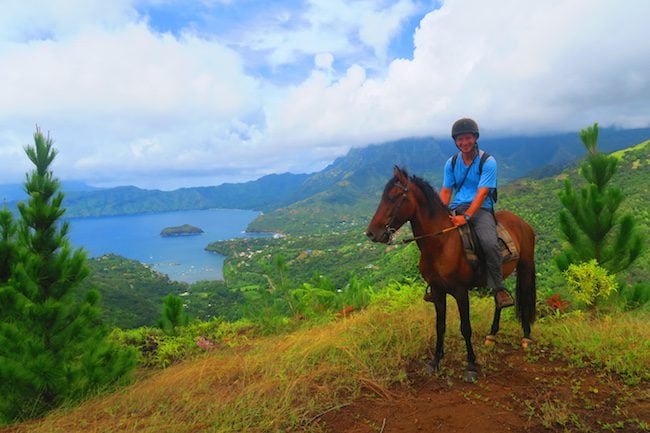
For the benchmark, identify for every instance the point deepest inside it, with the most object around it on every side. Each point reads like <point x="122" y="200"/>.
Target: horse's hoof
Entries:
<point x="471" y="376"/>
<point x="526" y="343"/>
<point x="490" y="340"/>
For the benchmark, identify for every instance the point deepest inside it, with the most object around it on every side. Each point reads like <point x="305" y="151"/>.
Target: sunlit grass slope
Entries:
<point x="275" y="384"/>
<point x="284" y="382"/>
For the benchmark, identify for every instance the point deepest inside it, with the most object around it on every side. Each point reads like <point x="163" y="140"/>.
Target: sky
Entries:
<point x="169" y="93"/>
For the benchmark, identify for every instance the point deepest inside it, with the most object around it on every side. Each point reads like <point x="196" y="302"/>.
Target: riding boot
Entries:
<point x="502" y="297"/>
<point x="428" y="294"/>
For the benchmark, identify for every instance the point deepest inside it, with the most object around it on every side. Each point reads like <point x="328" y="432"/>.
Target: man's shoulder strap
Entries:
<point x="484" y="157"/>
<point x="453" y="161"/>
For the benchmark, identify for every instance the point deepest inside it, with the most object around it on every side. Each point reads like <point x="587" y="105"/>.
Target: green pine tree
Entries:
<point x="590" y="222"/>
<point x="53" y="347"/>
<point x="8" y="254"/>
<point x="7" y="244"/>
<point x="173" y="315"/>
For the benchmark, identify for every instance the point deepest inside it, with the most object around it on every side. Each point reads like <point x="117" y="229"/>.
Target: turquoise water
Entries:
<point x="138" y="237"/>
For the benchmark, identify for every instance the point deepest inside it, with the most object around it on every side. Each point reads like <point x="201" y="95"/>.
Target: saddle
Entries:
<point x="471" y="245"/>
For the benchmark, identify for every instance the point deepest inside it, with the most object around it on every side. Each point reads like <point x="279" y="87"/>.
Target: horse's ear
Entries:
<point x="400" y="175"/>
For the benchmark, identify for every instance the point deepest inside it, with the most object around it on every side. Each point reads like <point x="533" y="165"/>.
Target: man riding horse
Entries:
<point x="443" y="263"/>
<point x="472" y="184"/>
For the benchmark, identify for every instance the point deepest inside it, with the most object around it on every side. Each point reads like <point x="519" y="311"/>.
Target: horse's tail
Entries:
<point x="526" y="293"/>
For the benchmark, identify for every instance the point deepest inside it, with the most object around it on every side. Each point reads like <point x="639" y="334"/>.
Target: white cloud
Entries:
<point x="362" y="29"/>
<point x="131" y="72"/>
<point x="104" y="94"/>
<point x="378" y="27"/>
<point x="516" y="67"/>
<point x="40" y="19"/>
<point x="324" y="61"/>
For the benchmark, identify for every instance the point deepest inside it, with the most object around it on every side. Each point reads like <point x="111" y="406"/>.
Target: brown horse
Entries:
<point x="443" y="264"/>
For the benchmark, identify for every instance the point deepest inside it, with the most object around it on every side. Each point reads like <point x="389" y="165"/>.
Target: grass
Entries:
<point x="285" y="382"/>
<point x="280" y="383"/>
<point x="617" y="344"/>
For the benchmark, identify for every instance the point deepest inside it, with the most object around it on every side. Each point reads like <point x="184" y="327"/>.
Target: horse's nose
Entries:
<point x="370" y="235"/>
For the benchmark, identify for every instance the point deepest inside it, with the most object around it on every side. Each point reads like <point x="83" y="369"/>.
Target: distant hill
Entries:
<point x="267" y="192"/>
<point x="349" y="180"/>
<point x="332" y="243"/>
<point x="16" y="191"/>
<point x="356" y="180"/>
<point x="132" y="292"/>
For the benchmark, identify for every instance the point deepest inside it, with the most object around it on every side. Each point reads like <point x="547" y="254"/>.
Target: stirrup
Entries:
<point x="428" y="296"/>
<point x="503" y="298"/>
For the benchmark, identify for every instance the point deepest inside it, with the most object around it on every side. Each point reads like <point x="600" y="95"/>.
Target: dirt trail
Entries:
<point x="516" y="392"/>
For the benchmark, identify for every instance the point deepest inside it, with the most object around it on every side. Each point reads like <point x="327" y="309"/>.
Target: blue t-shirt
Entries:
<point x="487" y="179"/>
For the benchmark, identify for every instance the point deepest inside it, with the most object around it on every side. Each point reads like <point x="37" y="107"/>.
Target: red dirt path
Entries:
<point x="516" y="392"/>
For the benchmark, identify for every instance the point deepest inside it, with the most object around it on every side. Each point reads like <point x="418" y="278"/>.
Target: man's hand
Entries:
<point x="458" y="220"/>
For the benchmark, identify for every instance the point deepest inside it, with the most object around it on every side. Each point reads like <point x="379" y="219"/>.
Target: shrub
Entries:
<point x="557" y="304"/>
<point x="160" y="350"/>
<point x="173" y="316"/>
<point x="589" y="282"/>
<point x="636" y="296"/>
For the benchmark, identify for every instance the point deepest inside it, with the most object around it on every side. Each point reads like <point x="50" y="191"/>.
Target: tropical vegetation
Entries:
<point x="588" y="218"/>
<point x="52" y="347"/>
<point x="317" y="318"/>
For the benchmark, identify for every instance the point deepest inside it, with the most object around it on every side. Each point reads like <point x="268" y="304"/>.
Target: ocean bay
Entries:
<point x="183" y="258"/>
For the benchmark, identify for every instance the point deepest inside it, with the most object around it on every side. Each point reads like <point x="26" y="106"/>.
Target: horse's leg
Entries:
<point x="462" y="299"/>
<point x="440" y="301"/>
<point x="526" y="296"/>
<point x="492" y="337"/>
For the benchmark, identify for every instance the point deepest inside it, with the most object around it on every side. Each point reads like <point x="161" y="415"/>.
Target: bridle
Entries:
<point x="395" y="212"/>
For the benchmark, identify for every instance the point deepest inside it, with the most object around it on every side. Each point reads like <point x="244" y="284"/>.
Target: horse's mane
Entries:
<point x="430" y="194"/>
<point x="433" y="199"/>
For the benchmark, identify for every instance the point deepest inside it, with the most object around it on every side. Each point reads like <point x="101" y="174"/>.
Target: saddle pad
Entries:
<point x="470" y="242"/>
<point x="508" y="248"/>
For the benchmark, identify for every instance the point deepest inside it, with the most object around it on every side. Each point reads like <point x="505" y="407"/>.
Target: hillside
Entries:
<point x="365" y="373"/>
<point x="327" y="239"/>
<point x="16" y="191"/>
<point x="272" y="190"/>
<point x="358" y="179"/>
<point x="328" y="251"/>
<point x="536" y="200"/>
<point x="130" y="293"/>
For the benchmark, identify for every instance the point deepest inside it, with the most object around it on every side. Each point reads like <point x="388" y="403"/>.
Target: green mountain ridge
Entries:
<point x="349" y="178"/>
<point x="358" y="178"/>
<point x="322" y="245"/>
<point x="272" y="190"/>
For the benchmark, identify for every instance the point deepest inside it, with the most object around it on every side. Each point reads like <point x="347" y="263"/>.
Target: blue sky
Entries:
<point x="170" y="93"/>
<point x="281" y="58"/>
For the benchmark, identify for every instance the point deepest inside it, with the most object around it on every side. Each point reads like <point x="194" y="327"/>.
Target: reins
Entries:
<point x="391" y="230"/>
<point x="428" y="235"/>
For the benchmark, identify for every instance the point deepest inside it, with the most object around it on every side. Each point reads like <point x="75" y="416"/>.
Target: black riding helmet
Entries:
<point x="464" y="126"/>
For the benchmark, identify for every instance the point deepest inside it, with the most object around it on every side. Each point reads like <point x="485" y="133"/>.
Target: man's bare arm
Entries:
<point x="445" y="195"/>
<point x="478" y="201"/>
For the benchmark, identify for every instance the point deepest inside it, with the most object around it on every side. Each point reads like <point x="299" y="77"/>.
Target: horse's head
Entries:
<point x="395" y="208"/>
